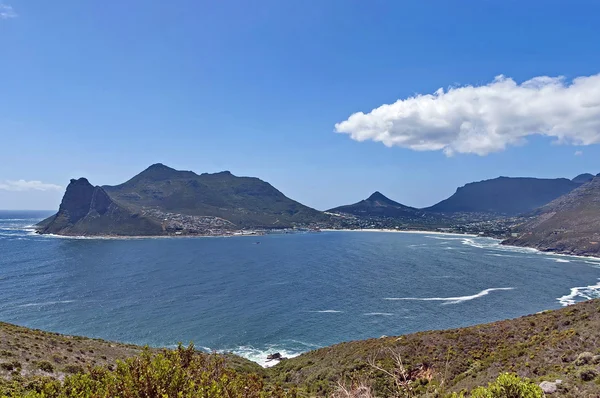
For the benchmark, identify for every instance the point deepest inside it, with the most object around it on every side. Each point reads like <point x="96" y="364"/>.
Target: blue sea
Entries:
<point x="286" y="293"/>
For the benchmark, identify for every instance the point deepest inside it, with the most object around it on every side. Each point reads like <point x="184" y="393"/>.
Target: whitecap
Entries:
<point x="46" y="303"/>
<point x="451" y="300"/>
<point x="579" y="293"/>
<point x="328" y="312"/>
<point x="560" y="260"/>
<point x="378" y="314"/>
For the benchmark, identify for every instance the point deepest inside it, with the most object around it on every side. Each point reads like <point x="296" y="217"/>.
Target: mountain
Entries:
<point x="569" y="224"/>
<point x="89" y="210"/>
<point x="161" y="200"/>
<point x="583" y="178"/>
<point x="505" y="195"/>
<point x="377" y="205"/>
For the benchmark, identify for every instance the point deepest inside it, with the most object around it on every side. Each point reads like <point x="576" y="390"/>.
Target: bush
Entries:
<point x="45" y="366"/>
<point x="10" y="365"/>
<point x="584" y="358"/>
<point x="509" y="385"/>
<point x="73" y="369"/>
<point x="588" y="374"/>
<point x="182" y="373"/>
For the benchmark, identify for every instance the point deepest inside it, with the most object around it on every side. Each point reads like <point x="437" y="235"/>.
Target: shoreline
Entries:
<point x="33" y="232"/>
<point x="402" y="231"/>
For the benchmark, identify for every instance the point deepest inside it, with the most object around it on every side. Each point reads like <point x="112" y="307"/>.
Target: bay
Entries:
<point x="283" y="292"/>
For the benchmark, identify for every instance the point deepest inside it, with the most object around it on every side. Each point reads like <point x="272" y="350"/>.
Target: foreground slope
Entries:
<point x="163" y="201"/>
<point x="507" y="196"/>
<point x="569" y="224"/>
<point x="560" y="344"/>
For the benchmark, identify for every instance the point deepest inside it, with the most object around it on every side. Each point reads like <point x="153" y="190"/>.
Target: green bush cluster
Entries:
<point x="180" y="373"/>
<point x="507" y="385"/>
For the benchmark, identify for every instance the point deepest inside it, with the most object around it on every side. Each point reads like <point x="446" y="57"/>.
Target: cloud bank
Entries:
<point x="487" y="118"/>
<point x="22" y="185"/>
<point x="7" y="12"/>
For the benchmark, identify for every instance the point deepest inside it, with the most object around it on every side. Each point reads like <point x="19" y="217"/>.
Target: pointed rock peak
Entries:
<point x="79" y="181"/>
<point x="583" y="178"/>
<point x="378" y="196"/>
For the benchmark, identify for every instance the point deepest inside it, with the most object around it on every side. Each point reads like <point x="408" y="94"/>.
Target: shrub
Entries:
<point x="73" y="369"/>
<point x="584" y="358"/>
<point x="182" y="373"/>
<point x="10" y="365"/>
<point x="45" y="366"/>
<point x="588" y="374"/>
<point x="508" y="385"/>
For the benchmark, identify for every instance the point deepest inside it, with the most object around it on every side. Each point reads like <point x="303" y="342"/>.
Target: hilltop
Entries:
<point x="378" y="205"/>
<point x="559" y="344"/>
<point x="569" y="224"/>
<point x="164" y="201"/>
<point x="508" y="196"/>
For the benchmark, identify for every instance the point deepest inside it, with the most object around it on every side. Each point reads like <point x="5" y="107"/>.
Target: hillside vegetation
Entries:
<point x="569" y="224"/>
<point x="561" y="344"/>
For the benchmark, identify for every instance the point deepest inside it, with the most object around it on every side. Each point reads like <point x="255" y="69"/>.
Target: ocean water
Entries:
<point x="288" y="293"/>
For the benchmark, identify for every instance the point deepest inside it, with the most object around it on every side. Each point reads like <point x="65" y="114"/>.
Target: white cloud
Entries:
<point x="485" y="119"/>
<point x="7" y="12"/>
<point x="578" y="153"/>
<point x="22" y="185"/>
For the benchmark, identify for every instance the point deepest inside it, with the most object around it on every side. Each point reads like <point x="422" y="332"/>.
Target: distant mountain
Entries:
<point x="583" y="178"/>
<point x="161" y="200"/>
<point x="505" y="195"/>
<point x="569" y="224"/>
<point x="377" y="205"/>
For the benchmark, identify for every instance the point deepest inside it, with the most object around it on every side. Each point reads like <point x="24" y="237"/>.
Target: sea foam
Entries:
<point x="451" y="300"/>
<point x="580" y="293"/>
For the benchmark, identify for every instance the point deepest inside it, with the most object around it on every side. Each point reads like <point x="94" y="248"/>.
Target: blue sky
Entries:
<point x="104" y="89"/>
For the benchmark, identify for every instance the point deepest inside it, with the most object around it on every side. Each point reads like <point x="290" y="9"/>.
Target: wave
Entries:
<point x="328" y="312"/>
<point x="451" y="300"/>
<point x="378" y="313"/>
<point x="259" y="355"/>
<point x="46" y="303"/>
<point x="560" y="260"/>
<point x="580" y="293"/>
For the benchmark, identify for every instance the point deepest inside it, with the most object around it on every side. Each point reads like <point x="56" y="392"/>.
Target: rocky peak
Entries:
<point x="377" y="197"/>
<point x="76" y="201"/>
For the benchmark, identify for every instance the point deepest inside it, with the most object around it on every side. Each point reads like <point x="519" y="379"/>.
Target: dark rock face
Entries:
<point x="76" y="202"/>
<point x="89" y="210"/>
<point x="505" y="195"/>
<point x="569" y="224"/>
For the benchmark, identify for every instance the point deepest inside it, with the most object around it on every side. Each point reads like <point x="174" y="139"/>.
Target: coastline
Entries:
<point x="33" y="232"/>
<point x="402" y="231"/>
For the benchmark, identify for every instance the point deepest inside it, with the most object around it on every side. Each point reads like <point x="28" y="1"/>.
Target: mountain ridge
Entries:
<point x="163" y="201"/>
<point x="509" y="196"/>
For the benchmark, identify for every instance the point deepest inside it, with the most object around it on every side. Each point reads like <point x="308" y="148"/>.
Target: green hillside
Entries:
<point x="561" y="344"/>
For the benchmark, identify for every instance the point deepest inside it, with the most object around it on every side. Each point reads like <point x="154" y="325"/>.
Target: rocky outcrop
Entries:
<point x="89" y="210"/>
